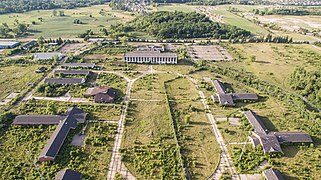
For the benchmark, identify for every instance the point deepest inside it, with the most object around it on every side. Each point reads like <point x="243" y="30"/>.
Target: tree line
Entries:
<point x="180" y="25"/>
<point x="20" y="6"/>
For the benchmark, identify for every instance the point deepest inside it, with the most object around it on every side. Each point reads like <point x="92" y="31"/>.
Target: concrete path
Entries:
<point x="115" y="164"/>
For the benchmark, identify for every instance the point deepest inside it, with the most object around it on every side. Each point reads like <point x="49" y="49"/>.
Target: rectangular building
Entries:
<point x="150" y="57"/>
<point x="8" y="44"/>
<point x="47" y="56"/>
<point x="65" y="81"/>
<point x="72" y="72"/>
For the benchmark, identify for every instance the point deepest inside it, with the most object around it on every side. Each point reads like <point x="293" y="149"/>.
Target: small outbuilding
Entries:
<point x="8" y="44"/>
<point x="67" y="174"/>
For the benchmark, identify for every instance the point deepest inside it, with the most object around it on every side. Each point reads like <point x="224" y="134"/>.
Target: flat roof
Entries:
<point x="47" y="55"/>
<point x="8" y="43"/>
<point x="72" y="72"/>
<point x="64" y="80"/>
<point x="78" y="65"/>
<point x="256" y="122"/>
<point x="37" y="119"/>
<point x="150" y="54"/>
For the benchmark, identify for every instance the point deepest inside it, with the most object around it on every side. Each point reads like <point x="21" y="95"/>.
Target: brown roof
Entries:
<point x="96" y="90"/>
<point x="37" y="119"/>
<point x="272" y="174"/>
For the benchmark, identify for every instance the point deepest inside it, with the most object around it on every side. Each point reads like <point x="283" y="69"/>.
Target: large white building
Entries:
<point x="150" y="55"/>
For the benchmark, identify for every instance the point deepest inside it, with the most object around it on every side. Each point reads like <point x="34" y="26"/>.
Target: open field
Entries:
<point x="197" y="139"/>
<point x="63" y="26"/>
<point x="92" y="160"/>
<point x="274" y="62"/>
<point x="15" y="79"/>
<point x="212" y="53"/>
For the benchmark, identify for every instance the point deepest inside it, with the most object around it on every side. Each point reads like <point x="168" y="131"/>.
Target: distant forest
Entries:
<point x="180" y="25"/>
<point x="19" y="6"/>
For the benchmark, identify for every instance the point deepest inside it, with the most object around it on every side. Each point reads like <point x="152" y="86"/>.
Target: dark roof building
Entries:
<point x="72" y="72"/>
<point x="102" y="94"/>
<point x="65" y="81"/>
<point x="68" y="174"/>
<point x="29" y="44"/>
<point x="37" y="119"/>
<point x="51" y="149"/>
<point x="272" y="174"/>
<point x="41" y="69"/>
<point x="228" y="99"/>
<point x="271" y="141"/>
<point x="78" y="65"/>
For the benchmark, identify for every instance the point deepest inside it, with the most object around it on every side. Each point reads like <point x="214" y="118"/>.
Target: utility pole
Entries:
<point x="34" y="164"/>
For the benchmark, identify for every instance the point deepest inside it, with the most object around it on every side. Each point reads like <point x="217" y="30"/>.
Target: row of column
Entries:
<point x="153" y="60"/>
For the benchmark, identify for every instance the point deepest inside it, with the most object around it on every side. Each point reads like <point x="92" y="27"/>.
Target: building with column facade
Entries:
<point x="150" y="55"/>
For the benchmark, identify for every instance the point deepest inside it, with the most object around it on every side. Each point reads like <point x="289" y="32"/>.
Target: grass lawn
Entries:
<point x="55" y="26"/>
<point x="196" y="136"/>
<point x="150" y="87"/>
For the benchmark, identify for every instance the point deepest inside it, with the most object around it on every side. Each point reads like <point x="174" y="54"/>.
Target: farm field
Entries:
<point x="199" y="146"/>
<point x="63" y="26"/>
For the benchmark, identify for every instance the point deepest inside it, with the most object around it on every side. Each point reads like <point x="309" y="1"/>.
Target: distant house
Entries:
<point x="102" y="94"/>
<point x="272" y="174"/>
<point x="47" y="56"/>
<point x="65" y="123"/>
<point x="72" y="72"/>
<point x="65" y="81"/>
<point x="271" y="141"/>
<point x="41" y="69"/>
<point x="68" y="174"/>
<point x="78" y="65"/>
<point x="8" y="44"/>
<point x="29" y="45"/>
<point x="228" y="99"/>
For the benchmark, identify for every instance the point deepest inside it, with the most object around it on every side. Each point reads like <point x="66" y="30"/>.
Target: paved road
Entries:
<point x="115" y="164"/>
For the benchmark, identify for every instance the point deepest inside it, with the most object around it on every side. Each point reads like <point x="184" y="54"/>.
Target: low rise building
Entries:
<point x="73" y="116"/>
<point x="102" y="94"/>
<point x="272" y="174"/>
<point x="228" y="99"/>
<point x="48" y="56"/>
<point x="151" y="55"/>
<point x="29" y="45"/>
<point x="271" y="141"/>
<point x="65" y="81"/>
<point x="72" y="72"/>
<point x="67" y="174"/>
<point x="8" y="44"/>
<point x="79" y="65"/>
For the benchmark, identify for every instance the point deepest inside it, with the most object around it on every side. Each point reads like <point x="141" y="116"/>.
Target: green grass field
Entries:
<point x="55" y="26"/>
<point x="196" y="135"/>
<point x="14" y="79"/>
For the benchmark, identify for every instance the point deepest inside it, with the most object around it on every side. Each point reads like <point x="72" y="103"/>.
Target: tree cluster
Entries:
<point x="18" y="30"/>
<point x="180" y="25"/>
